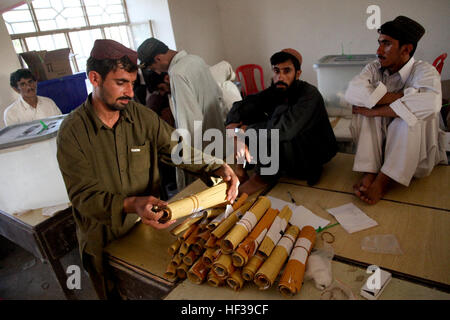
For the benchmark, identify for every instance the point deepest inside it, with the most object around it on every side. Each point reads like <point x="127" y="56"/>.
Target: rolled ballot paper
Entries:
<point x="189" y="258"/>
<point x="205" y="199"/>
<point x="210" y="255"/>
<point x="182" y="270"/>
<point x="214" y="280"/>
<point x="235" y="280"/>
<point x="186" y="245"/>
<point x="171" y="272"/>
<point x="223" y="266"/>
<point x="248" y="247"/>
<point x="291" y="281"/>
<point x="231" y="220"/>
<point x="177" y="260"/>
<point x="196" y="217"/>
<point x="230" y="209"/>
<point x="174" y="247"/>
<point x="275" y="232"/>
<point x="245" y="225"/>
<point x="197" y="273"/>
<point x="255" y="262"/>
<point x="268" y="272"/>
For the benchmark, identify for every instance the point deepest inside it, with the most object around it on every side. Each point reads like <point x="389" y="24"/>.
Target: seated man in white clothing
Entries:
<point x="29" y="106"/>
<point x="396" y="103"/>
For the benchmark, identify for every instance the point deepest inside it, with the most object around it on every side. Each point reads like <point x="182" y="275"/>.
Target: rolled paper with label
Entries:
<point x="214" y="280"/>
<point x="223" y="266"/>
<point x="228" y="210"/>
<point x="245" y="225"/>
<point x="292" y="279"/>
<point x="174" y="247"/>
<point x="190" y="258"/>
<point x="275" y="232"/>
<point x="205" y="199"/>
<point x="197" y="273"/>
<point x="235" y="280"/>
<point x="270" y="269"/>
<point x="182" y="270"/>
<point x="248" y="247"/>
<point x="255" y="262"/>
<point x="176" y="261"/>
<point x="231" y="220"/>
<point x="171" y="272"/>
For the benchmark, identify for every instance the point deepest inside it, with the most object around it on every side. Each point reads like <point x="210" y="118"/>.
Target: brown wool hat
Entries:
<point x="294" y="53"/>
<point x="110" y="49"/>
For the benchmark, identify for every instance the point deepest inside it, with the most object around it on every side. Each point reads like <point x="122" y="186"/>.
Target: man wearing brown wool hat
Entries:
<point x="108" y="153"/>
<point x="396" y="103"/>
<point x="296" y="109"/>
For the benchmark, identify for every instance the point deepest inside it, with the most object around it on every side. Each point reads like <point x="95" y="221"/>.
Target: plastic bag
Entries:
<point x="338" y="291"/>
<point x="318" y="267"/>
<point x="381" y="243"/>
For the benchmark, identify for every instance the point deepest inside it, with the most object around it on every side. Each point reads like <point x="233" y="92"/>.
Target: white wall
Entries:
<point x="10" y="63"/>
<point x="254" y="29"/>
<point x="197" y="28"/>
<point x="140" y="11"/>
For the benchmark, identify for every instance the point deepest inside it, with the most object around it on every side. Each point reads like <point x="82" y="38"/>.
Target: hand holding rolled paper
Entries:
<point x="148" y="208"/>
<point x="205" y="199"/>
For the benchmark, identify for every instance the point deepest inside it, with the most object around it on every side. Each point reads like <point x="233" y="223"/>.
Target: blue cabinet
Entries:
<point x="68" y="92"/>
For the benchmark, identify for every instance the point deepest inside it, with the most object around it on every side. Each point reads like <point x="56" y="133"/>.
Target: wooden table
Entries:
<point x="417" y="216"/>
<point x="353" y="277"/>
<point x="47" y="238"/>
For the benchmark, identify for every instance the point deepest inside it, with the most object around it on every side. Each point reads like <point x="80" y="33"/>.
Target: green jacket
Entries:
<point x="101" y="166"/>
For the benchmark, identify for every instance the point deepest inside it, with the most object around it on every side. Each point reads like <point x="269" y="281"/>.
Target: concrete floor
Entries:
<point x="24" y="277"/>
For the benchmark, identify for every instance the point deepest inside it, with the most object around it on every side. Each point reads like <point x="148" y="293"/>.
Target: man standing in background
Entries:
<point x="194" y="92"/>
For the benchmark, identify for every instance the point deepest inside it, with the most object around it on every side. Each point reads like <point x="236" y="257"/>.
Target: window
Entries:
<point x="75" y="24"/>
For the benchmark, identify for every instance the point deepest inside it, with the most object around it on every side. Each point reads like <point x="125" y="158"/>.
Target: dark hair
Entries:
<point x="153" y="79"/>
<point x="401" y="41"/>
<point x="281" y="57"/>
<point x="20" y="74"/>
<point x="105" y="66"/>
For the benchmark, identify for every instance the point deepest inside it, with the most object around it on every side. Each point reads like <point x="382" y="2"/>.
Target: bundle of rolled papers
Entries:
<point x="250" y="242"/>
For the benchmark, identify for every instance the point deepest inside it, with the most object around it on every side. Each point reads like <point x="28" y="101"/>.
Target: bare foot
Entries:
<point x="377" y="189"/>
<point x="363" y="185"/>
<point x="252" y="185"/>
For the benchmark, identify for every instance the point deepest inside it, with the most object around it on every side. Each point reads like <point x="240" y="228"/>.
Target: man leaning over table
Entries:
<point x="108" y="152"/>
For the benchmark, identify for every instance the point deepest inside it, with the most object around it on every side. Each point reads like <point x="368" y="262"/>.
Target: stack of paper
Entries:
<point x="351" y="218"/>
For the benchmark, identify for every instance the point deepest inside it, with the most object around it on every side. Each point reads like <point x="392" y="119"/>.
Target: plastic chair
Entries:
<point x="248" y="77"/>
<point x="439" y="62"/>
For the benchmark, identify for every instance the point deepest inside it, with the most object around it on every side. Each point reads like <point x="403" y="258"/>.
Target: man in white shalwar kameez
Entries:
<point x="195" y="95"/>
<point x="396" y="103"/>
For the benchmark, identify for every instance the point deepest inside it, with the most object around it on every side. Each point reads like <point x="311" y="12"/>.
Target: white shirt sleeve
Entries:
<point x="187" y="109"/>
<point x="364" y="89"/>
<point x="422" y="97"/>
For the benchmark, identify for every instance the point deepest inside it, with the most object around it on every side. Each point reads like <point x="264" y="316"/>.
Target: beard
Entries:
<point x="115" y="105"/>
<point x="281" y="89"/>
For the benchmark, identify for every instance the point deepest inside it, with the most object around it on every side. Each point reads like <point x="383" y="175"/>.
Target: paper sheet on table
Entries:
<point x="279" y="204"/>
<point x="301" y="216"/>
<point x="351" y="218"/>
